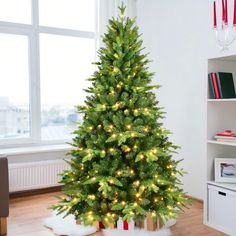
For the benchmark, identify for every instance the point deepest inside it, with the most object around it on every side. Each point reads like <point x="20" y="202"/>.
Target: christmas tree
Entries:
<point x="122" y="162"/>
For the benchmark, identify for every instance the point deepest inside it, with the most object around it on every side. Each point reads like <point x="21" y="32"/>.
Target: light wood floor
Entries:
<point x="27" y="213"/>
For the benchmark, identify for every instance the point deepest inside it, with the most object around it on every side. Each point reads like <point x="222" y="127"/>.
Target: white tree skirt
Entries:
<point x="68" y="226"/>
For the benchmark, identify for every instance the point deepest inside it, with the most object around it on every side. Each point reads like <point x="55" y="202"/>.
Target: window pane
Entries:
<point x="65" y="65"/>
<point x="18" y="11"/>
<point x="72" y="14"/>
<point x="14" y="87"/>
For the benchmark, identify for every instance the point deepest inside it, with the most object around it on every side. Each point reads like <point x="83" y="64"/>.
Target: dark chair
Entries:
<point x="4" y="195"/>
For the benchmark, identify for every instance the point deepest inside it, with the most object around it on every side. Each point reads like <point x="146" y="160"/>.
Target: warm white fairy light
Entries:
<point x="128" y="126"/>
<point x="145" y="129"/>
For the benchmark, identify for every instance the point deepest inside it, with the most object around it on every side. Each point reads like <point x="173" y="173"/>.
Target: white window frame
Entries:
<point x="32" y="31"/>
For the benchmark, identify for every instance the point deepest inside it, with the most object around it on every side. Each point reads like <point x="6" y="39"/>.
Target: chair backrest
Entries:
<point x="4" y="188"/>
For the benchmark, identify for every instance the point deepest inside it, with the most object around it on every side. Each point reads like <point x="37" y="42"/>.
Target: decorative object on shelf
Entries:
<point x="225" y="30"/>
<point x="226" y="136"/>
<point x="221" y="85"/>
<point x="225" y="170"/>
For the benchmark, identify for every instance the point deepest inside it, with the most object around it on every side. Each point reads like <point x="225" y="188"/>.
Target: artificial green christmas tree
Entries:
<point x="122" y="161"/>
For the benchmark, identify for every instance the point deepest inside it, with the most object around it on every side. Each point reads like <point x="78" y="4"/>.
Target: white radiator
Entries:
<point x="35" y="175"/>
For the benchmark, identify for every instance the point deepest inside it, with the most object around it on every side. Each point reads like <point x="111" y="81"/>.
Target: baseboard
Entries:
<point x="194" y="199"/>
<point x="35" y="192"/>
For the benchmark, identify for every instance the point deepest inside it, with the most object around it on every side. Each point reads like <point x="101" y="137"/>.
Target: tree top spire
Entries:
<point x="122" y="8"/>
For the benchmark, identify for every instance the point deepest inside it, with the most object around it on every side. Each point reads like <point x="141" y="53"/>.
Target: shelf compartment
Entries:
<point x="229" y="186"/>
<point x="222" y="143"/>
<point x="222" y="100"/>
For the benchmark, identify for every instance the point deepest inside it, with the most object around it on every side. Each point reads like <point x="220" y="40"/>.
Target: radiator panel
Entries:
<point x="35" y="175"/>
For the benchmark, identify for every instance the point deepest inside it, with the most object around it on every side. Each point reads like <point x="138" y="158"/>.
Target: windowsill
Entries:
<point x="35" y="149"/>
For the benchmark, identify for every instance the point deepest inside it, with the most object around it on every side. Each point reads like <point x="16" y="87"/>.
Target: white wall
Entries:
<point x="179" y="36"/>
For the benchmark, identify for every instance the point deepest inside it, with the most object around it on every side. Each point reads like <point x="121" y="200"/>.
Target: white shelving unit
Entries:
<point x="221" y="115"/>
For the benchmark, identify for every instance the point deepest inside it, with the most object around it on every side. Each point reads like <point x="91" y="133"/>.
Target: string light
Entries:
<point x="111" y="181"/>
<point x="131" y="172"/>
<point x="137" y="195"/>
<point x="128" y="149"/>
<point x="112" y="92"/>
<point x="92" y="197"/>
<point x="111" y="149"/>
<point x="119" y="173"/>
<point x="123" y="203"/>
<point x="115" y="70"/>
<point x="114" y="135"/>
<point x="126" y="111"/>
<point x="75" y="200"/>
<point x="132" y="134"/>
<point x="128" y="126"/>
<point x="154" y="150"/>
<point x="116" y="106"/>
<point x="141" y="156"/>
<point x="145" y="129"/>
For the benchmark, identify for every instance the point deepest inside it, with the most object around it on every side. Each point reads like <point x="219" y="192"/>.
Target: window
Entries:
<point x="44" y="64"/>
<point x="14" y="89"/>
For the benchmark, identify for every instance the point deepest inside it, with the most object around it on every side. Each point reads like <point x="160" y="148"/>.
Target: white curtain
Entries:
<point x="109" y="8"/>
